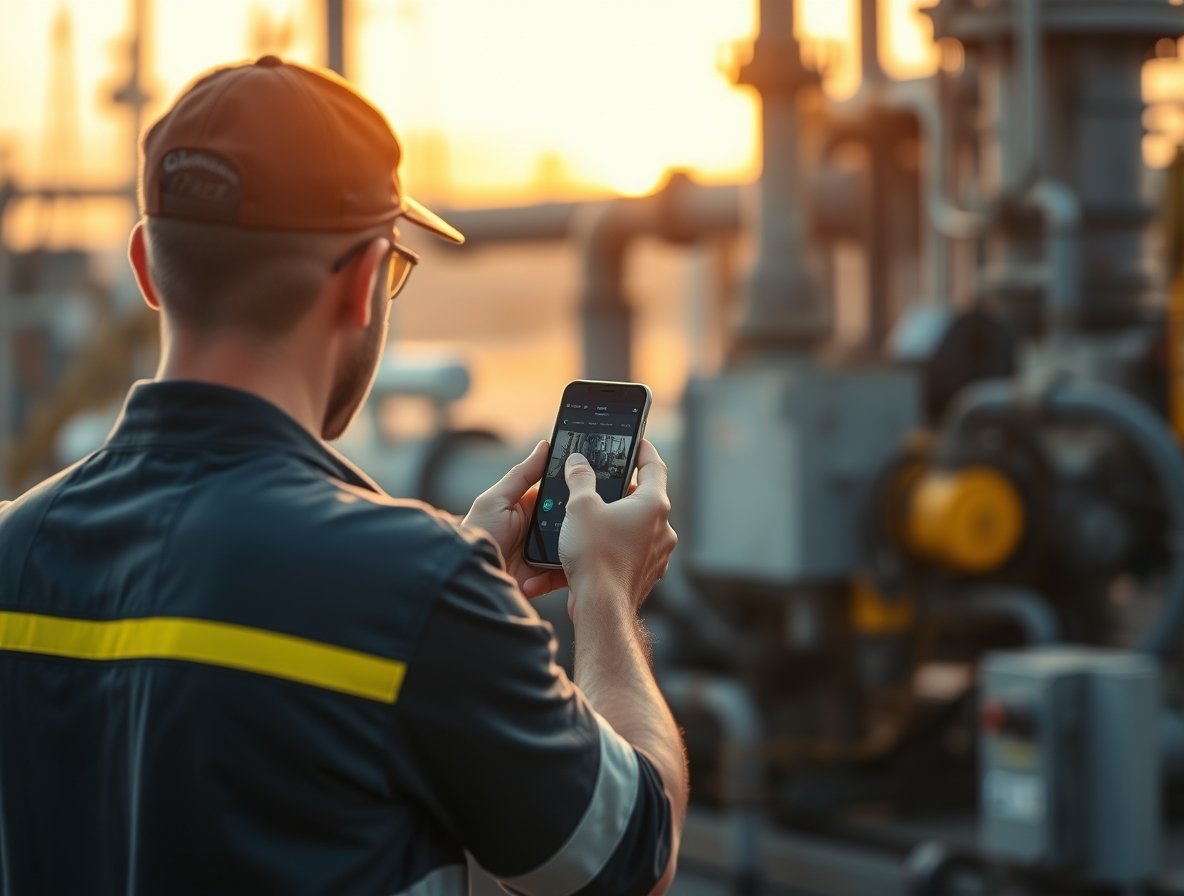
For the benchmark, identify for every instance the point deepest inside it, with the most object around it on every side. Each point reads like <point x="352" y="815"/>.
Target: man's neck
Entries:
<point x="267" y="372"/>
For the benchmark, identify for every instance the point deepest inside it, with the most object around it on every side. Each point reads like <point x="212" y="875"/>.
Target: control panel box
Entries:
<point x="780" y="461"/>
<point x="1069" y="751"/>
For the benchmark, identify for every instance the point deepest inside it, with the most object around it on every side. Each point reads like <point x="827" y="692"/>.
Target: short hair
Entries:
<point x="213" y="278"/>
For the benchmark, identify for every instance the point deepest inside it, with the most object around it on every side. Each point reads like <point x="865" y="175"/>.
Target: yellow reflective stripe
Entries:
<point x="202" y="641"/>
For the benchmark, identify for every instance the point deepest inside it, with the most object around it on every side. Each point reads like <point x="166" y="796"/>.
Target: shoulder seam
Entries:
<point x="49" y="505"/>
<point x="468" y="550"/>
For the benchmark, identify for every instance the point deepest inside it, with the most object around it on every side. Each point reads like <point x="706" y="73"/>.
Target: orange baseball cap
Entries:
<point x="275" y="146"/>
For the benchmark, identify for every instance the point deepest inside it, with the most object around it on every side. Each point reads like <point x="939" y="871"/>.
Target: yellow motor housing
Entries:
<point x="969" y="520"/>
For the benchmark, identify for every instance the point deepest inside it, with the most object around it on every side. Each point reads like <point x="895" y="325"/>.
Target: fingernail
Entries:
<point x="574" y="458"/>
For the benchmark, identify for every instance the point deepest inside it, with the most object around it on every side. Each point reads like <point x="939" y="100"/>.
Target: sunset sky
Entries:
<point x="504" y="102"/>
<point x="496" y="102"/>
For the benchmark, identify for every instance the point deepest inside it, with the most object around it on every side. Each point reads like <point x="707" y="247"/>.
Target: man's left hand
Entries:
<point x="504" y="512"/>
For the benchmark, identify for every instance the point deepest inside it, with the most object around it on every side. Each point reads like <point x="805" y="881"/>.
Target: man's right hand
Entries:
<point x="613" y="554"/>
<point x="626" y="544"/>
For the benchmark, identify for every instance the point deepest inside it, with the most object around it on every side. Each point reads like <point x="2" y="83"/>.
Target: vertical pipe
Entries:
<point x="7" y="385"/>
<point x="881" y="176"/>
<point x="938" y="145"/>
<point x="1031" y="89"/>
<point x="871" y="72"/>
<point x="606" y="320"/>
<point x="1062" y="214"/>
<point x="741" y="764"/>
<point x="935" y="245"/>
<point x="1171" y="736"/>
<point x="783" y="306"/>
<point x="137" y="97"/>
<point x="608" y="336"/>
<point x="775" y="17"/>
<point x="335" y="35"/>
<point x="881" y="230"/>
<point x="136" y="54"/>
<point x="781" y="239"/>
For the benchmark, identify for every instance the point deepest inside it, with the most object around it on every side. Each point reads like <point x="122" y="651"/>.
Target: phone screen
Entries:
<point x="603" y="422"/>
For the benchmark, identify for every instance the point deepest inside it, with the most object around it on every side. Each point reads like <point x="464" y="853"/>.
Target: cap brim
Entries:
<point x="429" y="220"/>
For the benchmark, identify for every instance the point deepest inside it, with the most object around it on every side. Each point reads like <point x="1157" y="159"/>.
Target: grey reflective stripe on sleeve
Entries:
<point x="595" y="839"/>
<point x="451" y="880"/>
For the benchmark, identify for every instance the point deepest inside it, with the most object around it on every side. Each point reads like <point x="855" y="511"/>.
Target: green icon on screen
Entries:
<point x="548" y="503"/>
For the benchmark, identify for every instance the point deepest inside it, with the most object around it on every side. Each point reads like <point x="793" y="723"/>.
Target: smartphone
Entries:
<point x="605" y="423"/>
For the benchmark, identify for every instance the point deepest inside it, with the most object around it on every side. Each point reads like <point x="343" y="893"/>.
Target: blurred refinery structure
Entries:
<point x="926" y="629"/>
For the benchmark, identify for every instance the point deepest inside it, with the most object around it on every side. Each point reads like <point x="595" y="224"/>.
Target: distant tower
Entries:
<point x="60" y="156"/>
<point x="132" y="92"/>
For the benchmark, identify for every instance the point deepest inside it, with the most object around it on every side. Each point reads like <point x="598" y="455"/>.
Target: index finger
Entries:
<point x="651" y="469"/>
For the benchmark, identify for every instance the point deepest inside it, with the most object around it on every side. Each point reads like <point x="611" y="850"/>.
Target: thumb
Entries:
<point x="581" y="478"/>
<point x="517" y="482"/>
<point x="509" y="490"/>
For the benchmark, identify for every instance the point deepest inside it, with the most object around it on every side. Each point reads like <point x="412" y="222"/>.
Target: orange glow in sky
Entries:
<point x="496" y="102"/>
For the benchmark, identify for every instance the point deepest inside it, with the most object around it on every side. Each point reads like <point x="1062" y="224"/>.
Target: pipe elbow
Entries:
<point x="605" y="231"/>
<point x="1059" y="205"/>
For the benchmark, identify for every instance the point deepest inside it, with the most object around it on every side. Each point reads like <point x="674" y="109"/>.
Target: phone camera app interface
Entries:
<point x="602" y="433"/>
<point x="607" y="453"/>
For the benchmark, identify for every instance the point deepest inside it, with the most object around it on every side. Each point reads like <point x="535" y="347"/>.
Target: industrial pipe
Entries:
<point x="1061" y="210"/>
<point x="335" y="36"/>
<point x="741" y="771"/>
<point x="871" y="72"/>
<point x="947" y="221"/>
<point x="1027" y="609"/>
<point x="1097" y="402"/>
<point x="680" y="212"/>
<point x="993" y="400"/>
<point x="783" y="307"/>
<point x="545" y="221"/>
<point x="1030" y="76"/>
<point x="1171" y="736"/>
<point x="50" y="194"/>
<point x="678" y="596"/>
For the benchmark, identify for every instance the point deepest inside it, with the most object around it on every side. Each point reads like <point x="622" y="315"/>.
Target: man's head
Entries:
<point x="270" y="195"/>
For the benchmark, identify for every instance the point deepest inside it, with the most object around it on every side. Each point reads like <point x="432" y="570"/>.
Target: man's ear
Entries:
<point x="137" y="254"/>
<point x="358" y="281"/>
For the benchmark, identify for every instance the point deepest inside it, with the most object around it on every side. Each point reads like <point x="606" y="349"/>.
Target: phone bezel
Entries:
<point x="592" y="386"/>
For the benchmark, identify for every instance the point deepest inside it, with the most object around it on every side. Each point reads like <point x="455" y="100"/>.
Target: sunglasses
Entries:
<point x="402" y="260"/>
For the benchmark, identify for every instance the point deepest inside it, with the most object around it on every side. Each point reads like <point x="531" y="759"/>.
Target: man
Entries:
<point x="228" y="662"/>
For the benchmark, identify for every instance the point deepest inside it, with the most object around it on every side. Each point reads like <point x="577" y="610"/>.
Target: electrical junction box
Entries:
<point x="1070" y="759"/>
<point x="780" y="459"/>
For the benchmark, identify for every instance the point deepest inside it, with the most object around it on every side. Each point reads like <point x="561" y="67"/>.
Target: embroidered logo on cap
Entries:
<point x="200" y="184"/>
